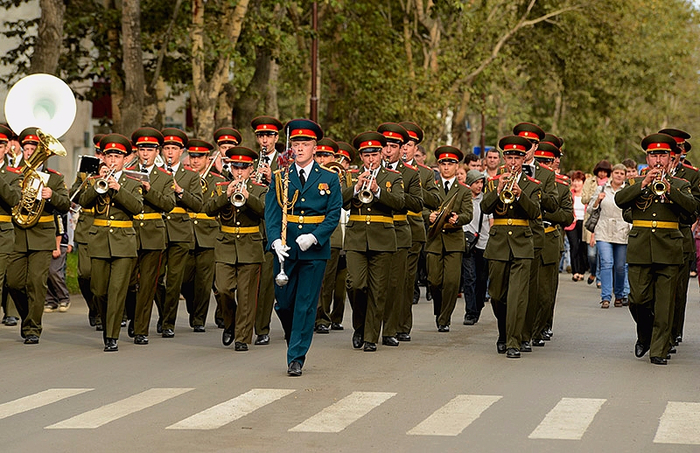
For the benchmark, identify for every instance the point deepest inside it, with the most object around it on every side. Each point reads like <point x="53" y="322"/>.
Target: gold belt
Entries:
<point x="88" y="211"/>
<point x="305" y="218"/>
<point x="149" y="216"/>
<point x="655" y="224"/>
<point x="549" y="229"/>
<point x="240" y="230"/>
<point x="113" y="223"/>
<point x="46" y="219"/>
<point x="5" y="218"/>
<point x="200" y="215"/>
<point x="178" y="210"/>
<point x="414" y="214"/>
<point x="371" y="218"/>
<point x="400" y="217"/>
<point x="509" y="222"/>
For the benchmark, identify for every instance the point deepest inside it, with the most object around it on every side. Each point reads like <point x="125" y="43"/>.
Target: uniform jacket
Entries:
<point x="206" y="228"/>
<point x="511" y="241"/>
<point x="337" y="236"/>
<point x="362" y="236"/>
<point x="548" y="201"/>
<point x="655" y="245"/>
<point x="238" y="248"/>
<point x="690" y="174"/>
<point x="451" y="239"/>
<point x="555" y="221"/>
<point x="430" y="193"/>
<point x="160" y="199"/>
<point x="320" y="196"/>
<point x="42" y="236"/>
<point x="119" y="206"/>
<point x="80" y="235"/>
<point x="413" y="202"/>
<point x="9" y="197"/>
<point x="178" y="224"/>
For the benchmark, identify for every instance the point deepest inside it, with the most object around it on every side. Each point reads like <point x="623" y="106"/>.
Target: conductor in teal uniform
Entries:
<point x="316" y="197"/>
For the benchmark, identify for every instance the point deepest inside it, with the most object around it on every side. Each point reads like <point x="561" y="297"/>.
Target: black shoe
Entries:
<point x="416" y="298"/>
<point x="539" y="343"/>
<point x="168" y="333"/>
<point x="98" y="327"/>
<point x="469" y="320"/>
<point x="390" y="341"/>
<point x="550" y="333"/>
<point x="545" y="335"/>
<point x="525" y="346"/>
<point x="672" y="350"/>
<point x="159" y="326"/>
<point x="31" y="339"/>
<point x="123" y="323"/>
<point x="11" y="321"/>
<point x="357" y="340"/>
<point x="403" y="336"/>
<point x="668" y="356"/>
<point x="679" y="339"/>
<point x="369" y="347"/>
<point x="111" y="345"/>
<point x="428" y="294"/>
<point x="130" y="330"/>
<point x="337" y="326"/>
<point x="219" y="322"/>
<point x="658" y="361"/>
<point x="513" y="353"/>
<point x="240" y="346"/>
<point x="263" y="340"/>
<point x="501" y="347"/>
<point x="92" y="320"/>
<point x="322" y="329"/>
<point x="199" y="329"/>
<point x="227" y="337"/>
<point x="640" y="349"/>
<point x="294" y="369"/>
<point x="141" y="339"/>
<point x="442" y="328"/>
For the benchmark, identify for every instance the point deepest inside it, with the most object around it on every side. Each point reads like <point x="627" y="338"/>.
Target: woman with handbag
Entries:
<point x="574" y="232"/>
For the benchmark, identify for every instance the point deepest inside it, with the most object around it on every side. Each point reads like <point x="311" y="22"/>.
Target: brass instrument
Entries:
<point x="138" y="175"/>
<point x="258" y="175"/>
<point x="444" y="214"/>
<point x="237" y="197"/>
<point x="203" y="177"/>
<point x="102" y="184"/>
<point x="365" y="195"/>
<point x="507" y="196"/>
<point x="90" y="165"/>
<point x="659" y="186"/>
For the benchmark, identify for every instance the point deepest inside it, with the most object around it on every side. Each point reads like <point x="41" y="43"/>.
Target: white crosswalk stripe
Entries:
<point x="233" y="409"/>
<point x="342" y="414"/>
<point x="37" y="400"/>
<point x="679" y="424"/>
<point x="114" y="411"/>
<point x="452" y="418"/>
<point x="569" y="419"/>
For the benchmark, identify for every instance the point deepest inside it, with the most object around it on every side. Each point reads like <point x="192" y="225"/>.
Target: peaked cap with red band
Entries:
<point x="370" y="141"/>
<point x="115" y="143"/>
<point x="303" y="129"/>
<point x="658" y="144"/>
<point x="346" y="150"/>
<point x="529" y="131"/>
<point x="227" y="135"/>
<point x="96" y="139"/>
<point x="241" y="154"/>
<point x="29" y="135"/>
<point x="547" y="150"/>
<point x="266" y="124"/>
<point x="199" y="147"/>
<point x="394" y="133"/>
<point x="174" y="136"/>
<point x="514" y="144"/>
<point x="680" y="137"/>
<point x="447" y="153"/>
<point x="326" y="145"/>
<point x="553" y="139"/>
<point x="147" y="136"/>
<point x="5" y="133"/>
<point x="415" y="133"/>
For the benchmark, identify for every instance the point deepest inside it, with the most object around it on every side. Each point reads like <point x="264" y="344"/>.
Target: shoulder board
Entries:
<point x="355" y="171"/>
<point x="463" y="185"/>
<point x="563" y="183"/>
<point x="411" y="166"/>
<point x="424" y="166"/>
<point x="681" y="179"/>
<point x="14" y="170"/>
<point x="216" y="175"/>
<point x="546" y="167"/>
<point x="690" y="166"/>
<point x="393" y="171"/>
<point x="561" y="177"/>
<point x="133" y="167"/>
<point x="325" y="168"/>
<point x="255" y="183"/>
<point x="187" y="167"/>
<point x="531" y="179"/>
<point x="164" y="170"/>
<point x="495" y="177"/>
<point x="222" y="183"/>
<point x="644" y="171"/>
<point x="131" y="177"/>
<point x="51" y="170"/>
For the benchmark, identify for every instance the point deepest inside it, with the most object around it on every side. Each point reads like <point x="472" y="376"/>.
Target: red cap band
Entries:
<point x="198" y="149"/>
<point x="227" y="138"/>
<point x="325" y="149"/>
<point x="241" y="158"/>
<point x="344" y="153"/>
<point x="392" y="135"/>
<point x="302" y="133"/>
<point x="370" y="144"/>
<point x="3" y="137"/>
<point x="448" y="156"/>
<point x="655" y="146"/>
<point x="548" y="154"/>
<point x="514" y="146"/>
<point x="147" y="140"/>
<point x="31" y="138"/>
<point x="528" y="134"/>
<point x="413" y="135"/>
<point x="118" y="146"/>
<point x="266" y="127"/>
<point x="174" y="138"/>
<point x="679" y="139"/>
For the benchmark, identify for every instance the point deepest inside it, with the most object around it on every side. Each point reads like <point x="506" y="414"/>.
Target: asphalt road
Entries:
<point x="584" y="391"/>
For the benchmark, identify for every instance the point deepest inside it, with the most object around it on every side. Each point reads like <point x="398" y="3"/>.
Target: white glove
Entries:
<point x="280" y="250"/>
<point x="305" y="241"/>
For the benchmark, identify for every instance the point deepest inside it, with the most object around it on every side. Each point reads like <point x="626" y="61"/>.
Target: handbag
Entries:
<point x="593" y="218"/>
<point x="472" y="238"/>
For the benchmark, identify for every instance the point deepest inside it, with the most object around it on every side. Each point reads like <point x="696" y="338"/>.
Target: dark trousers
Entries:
<point x="238" y="293"/>
<point x="142" y="289"/>
<point x="266" y="295"/>
<point x="534" y="302"/>
<point x="405" y="322"/>
<point x="475" y="276"/>
<point x="109" y="287"/>
<point x="57" y="291"/>
<point x="509" y="283"/>
<point x="444" y="273"/>
<point x="197" y="282"/>
<point x="368" y="277"/>
<point x="27" y="276"/>
<point x="681" y="298"/>
<point x="84" y="272"/>
<point x="328" y="287"/>
<point x="395" y="301"/>
<point x="578" y="250"/>
<point x="170" y="282"/>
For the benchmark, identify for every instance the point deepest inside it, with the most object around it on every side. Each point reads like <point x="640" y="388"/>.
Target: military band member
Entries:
<point x="682" y="170"/>
<point x="240" y="207"/>
<point x="398" y="305"/>
<point x="446" y="244"/>
<point x="115" y="198"/>
<point x="314" y="199"/>
<point x="158" y="199"/>
<point x="513" y="199"/>
<point x="28" y="265"/>
<point x="9" y="197"/>
<point x="266" y="130"/>
<point x="655" y="252"/>
<point x="199" y="270"/>
<point x="188" y="193"/>
<point x="370" y="239"/>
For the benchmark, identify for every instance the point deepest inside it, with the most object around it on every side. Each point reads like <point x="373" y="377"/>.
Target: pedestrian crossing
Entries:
<point x="569" y="418"/>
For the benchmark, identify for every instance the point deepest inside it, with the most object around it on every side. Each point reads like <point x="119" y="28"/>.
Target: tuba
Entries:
<point x="48" y="103"/>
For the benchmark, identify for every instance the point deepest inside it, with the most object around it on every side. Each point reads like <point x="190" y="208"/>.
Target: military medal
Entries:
<point x="323" y="188"/>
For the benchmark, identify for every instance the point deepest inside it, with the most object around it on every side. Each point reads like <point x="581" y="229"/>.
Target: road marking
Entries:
<point x="233" y="409"/>
<point x="110" y="412"/>
<point x="569" y="419"/>
<point x="452" y="418"/>
<point x="679" y="424"/>
<point x="342" y="414"/>
<point x="36" y="400"/>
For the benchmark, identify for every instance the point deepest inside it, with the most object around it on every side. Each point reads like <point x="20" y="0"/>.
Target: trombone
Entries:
<point x="365" y="195"/>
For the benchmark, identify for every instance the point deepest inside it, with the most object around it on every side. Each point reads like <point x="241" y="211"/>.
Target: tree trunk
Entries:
<point x="49" y="40"/>
<point x="116" y="83"/>
<point x="250" y="100"/>
<point x="134" y="82"/>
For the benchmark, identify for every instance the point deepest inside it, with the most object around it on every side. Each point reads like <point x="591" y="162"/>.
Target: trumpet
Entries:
<point x="507" y="196"/>
<point x="102" y="184"/>
<point x="659" y="186"/>
<point x="258" y="175"/>
<point x="365" y="195"/>
<point x="237" y="198"/>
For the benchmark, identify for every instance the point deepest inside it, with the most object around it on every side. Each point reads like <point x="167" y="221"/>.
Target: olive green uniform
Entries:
<point x="9" y="196"/>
